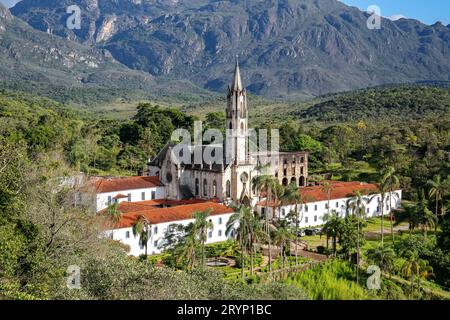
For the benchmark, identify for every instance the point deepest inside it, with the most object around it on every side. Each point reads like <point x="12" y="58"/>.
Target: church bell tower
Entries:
<point x="237" y="119"/>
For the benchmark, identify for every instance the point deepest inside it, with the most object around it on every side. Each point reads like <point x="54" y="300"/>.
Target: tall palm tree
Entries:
<point x="281" y="238"/>
<point x="239" y="225"/>
<point x="189" y="247"/>
<point x="201" y="227"/>
<point x="141" y="228"/>
<point x="383" y="189"/>
<point x="331" y="228"/>
<point x="382" y="256"/>
<point x="414" y="266"/>
<point x="438" y="190"/>
<point x="277" y="194"/>
<point x="114" y="215"/>
<point x="391" y="181"/>
<point x="291" y="196"/>
<point x="357" y="206"/>
<point x="266" y="184"/>
<point x="327" y="187"/>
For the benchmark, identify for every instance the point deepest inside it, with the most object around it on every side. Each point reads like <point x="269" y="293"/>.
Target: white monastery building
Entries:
<point x="174" y="191"/>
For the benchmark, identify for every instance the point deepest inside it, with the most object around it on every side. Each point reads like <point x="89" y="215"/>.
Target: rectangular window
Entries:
<point x="155" y="230"/>
<point x="220" y="220"/>
<point x="129" y="197"/>
<point x="155" y="244"/>
<point x="315" y="207"/>
<point x="210" y="234"/>
<point x="127" y="234"/>
<point x="143" y="196"/>
<point x="109" y="200"/>
<point x="337" y="204"/>
<point x="326" y="206"/>
<point x="306" y="219"/>
<point x="315" y="218"/>
<point x="153" y="195"/>
<point x="306" y="208"/>
<point x="220" y="233"/>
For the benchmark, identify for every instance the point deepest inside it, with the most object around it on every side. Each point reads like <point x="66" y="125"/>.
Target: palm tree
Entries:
<point x="141" y="228"/>
<point x="414" y="266"/>
<point x="201" y="227"/>
<point x="266" y="184"/>
<point x="438" y="190"/>
<point x="391" y="181"/>
<point x="382" y="256"/>
<point x="357" y="205"/>
<point x="240" y="225"/>
<point x="281" y="238"/>
<point x="383" y="189"/>
<point x="291" y="196"/>
<point x="327" y="188"/>
<point x="331" y="228"/>
<point x="189" y="246"/>
<point x="277" y="194"/>
<point x="114" y="215"/>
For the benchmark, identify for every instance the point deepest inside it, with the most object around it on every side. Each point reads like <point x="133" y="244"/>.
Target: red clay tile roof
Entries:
<point x="339" y="190"/>
<point x="102" y="185"/>
<point x="172" y="214"/>
<point x="126" y="207"/>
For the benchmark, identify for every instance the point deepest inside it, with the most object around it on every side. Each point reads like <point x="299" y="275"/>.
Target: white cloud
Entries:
<point x="396" y="17"/>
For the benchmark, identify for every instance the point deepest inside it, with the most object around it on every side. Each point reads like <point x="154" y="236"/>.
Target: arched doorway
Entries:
<point x="302" y="181"/>
<point x="294" y="180"/>
<point x="285" y="182"/>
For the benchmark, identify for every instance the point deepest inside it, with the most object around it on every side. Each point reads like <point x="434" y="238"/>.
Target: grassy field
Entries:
<point x="372" y="230"/>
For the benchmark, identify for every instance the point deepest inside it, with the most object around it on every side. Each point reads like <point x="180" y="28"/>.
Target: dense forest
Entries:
<point x="42" y="141"/>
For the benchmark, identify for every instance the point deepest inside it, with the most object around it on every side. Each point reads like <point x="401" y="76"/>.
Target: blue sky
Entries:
<point x="427" y="11"/>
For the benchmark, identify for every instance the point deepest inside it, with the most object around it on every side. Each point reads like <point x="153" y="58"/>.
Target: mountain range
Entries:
<point x="286" y="48"/>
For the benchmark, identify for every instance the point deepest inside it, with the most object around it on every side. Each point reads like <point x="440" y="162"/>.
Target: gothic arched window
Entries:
<point x="228" y="189"/>
<point x="197" y="187"/>
<point x="214" y="190"/>
<point x="205" y="187"/>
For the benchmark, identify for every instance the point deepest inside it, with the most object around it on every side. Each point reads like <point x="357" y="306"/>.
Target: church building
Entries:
<point x="230" y="180"/>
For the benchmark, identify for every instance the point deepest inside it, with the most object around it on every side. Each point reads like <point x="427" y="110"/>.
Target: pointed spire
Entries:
<point x="237" y="81"/>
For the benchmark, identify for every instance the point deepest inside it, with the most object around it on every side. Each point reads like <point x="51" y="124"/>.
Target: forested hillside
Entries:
<point x="388" y="103"/>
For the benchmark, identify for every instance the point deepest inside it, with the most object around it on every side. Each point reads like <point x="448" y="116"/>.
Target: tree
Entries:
<point x="391" y="181"/>
<point x="240" y="225"/>
<point x="357" y="206"/>
<point x="414" y="267"/>
<point x="438" y="190"/>
<point x="291" y="196"/>
<point x="266" y="184"/>
<point x="382" y="256"/>
<point x="383" y="189"/>
<point x="282" y="237"/>
<point x="332" y="228"/>
<point x="141" y="228"/>
<point x="201" y="228"/>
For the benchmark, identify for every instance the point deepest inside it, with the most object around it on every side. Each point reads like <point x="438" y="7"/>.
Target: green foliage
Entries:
<point x="330" y="281"/>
